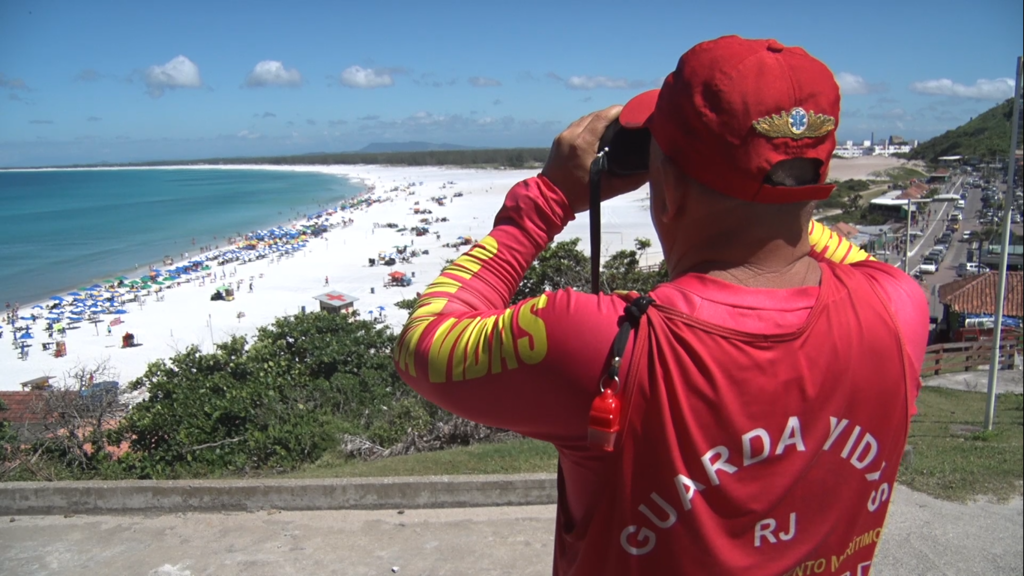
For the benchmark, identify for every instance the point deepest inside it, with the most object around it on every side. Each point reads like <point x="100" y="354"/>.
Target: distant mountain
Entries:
<point x="411" y="147"/>
<point x="984" y="137"/>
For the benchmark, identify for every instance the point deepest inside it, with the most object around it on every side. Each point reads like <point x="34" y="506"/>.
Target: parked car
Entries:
<point x="929" y="266"/>
<point x="970" y="269"/>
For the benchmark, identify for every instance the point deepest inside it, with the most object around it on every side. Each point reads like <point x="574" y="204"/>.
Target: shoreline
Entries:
<point x="140" y="268"/>
<point x="283" y="285"/>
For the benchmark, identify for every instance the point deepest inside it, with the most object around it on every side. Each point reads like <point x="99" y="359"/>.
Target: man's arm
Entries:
<point x="827" y="245"/>
<point x="532" y="367"/>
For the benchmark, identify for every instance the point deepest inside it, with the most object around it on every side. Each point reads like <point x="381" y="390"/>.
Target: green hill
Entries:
<point x="984" y="137"/>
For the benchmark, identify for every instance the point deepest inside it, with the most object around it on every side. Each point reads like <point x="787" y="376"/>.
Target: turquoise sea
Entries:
<point x="68" y="228"/>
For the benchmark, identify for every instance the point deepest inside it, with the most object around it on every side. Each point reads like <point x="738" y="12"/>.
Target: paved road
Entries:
<point x="923" y="537"/>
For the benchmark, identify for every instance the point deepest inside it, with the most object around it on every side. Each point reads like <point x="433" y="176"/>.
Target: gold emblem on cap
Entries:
<point x="795" y="124"/>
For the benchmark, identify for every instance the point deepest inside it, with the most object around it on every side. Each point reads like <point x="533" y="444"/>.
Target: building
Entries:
<point x="845" y="230"/>
<point x="990" y="256"/>
<point x="940" y="176"/>
<point x="893" y="203"/>
<point x="26" y="411"/>
<point x="335" y="302"/>
<point x="968" y="302"/>
<point x="848" y="150"/>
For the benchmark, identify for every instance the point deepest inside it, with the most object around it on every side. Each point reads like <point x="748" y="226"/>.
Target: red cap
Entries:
<point x="735" y="107"/>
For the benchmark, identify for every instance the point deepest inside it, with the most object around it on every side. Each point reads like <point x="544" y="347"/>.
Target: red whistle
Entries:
<point x="604" y="420"/>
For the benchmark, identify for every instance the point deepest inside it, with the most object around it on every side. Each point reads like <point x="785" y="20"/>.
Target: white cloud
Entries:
<point x="272" y="73"/>
<point x="853" y="84"/>
<point x="359" y="77"/>
<point x="483" y="82"/>
<point x="998" y="89"/>
<point x="249" y="135"/>
<point x="180" y="72"/>
<point x="592" y="82"/>
<point x="595" y="82"/>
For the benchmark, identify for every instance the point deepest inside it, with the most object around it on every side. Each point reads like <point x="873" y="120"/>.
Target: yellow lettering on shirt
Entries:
<point x="534" y="326"/>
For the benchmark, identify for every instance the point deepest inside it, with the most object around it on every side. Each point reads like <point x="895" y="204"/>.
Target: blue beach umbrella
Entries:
<point x="56" y="298"/>
<point x="76" y="294"/>
<point x="120" y="311"/>
<point x="37" y="307"/>
<point x="26" y="336"/>
<point x="96" y="287"/>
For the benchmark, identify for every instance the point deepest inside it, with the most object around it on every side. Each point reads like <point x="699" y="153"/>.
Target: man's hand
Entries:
<point x="568" y="165"/>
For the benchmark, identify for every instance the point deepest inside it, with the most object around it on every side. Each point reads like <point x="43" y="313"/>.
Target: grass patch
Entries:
<point x="901" y="174"/>
<point x="951" y="460"/>
<point x="515" y="457"/>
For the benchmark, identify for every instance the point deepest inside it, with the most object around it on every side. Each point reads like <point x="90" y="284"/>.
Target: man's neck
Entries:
<point x="774" y="267"/>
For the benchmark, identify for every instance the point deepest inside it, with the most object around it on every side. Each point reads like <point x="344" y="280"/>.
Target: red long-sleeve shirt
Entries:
<point x="535" y="367"/>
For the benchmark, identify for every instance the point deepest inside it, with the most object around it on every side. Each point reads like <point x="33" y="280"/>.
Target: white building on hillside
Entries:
<point x="887" y="147"/>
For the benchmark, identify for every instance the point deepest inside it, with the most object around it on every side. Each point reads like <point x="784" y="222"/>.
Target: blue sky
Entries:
<point x="123" y="81"/>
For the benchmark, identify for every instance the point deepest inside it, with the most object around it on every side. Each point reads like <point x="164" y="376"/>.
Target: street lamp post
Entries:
<point x="906" y="249"/>
<point x="993" y="368"/>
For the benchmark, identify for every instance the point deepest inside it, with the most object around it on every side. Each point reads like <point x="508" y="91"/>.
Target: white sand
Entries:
<point x="181" y="319"/>
<point x="866" y="167"/>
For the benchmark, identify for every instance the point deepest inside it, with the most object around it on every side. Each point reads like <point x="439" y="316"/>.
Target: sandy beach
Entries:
<point x="186" y="315"/>
<point x="866" y="167"/>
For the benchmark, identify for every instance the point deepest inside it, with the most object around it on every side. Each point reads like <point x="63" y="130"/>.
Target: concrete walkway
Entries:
<point x="1008" y="381"/>
<point x="923" y="536"/>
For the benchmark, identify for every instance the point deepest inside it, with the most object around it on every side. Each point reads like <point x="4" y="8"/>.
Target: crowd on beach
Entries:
<point x="107" y="301"/>
<point x="56" y="324"/>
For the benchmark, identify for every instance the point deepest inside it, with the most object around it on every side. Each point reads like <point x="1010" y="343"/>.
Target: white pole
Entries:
<point x="213" y="346"/>
<point x="906" y="251"/>
<point x="993" y="368"/>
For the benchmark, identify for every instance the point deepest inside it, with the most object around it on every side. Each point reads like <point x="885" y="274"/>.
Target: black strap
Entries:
<point x="633" y="312"/>
<point x="597" y="168"/>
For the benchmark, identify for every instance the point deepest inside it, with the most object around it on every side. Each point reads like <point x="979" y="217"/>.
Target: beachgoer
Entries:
<point x="735" y="427"/>
<point x="250" y="286"/>
<point x="327" y="281"/>
<point x="109" y="331"/>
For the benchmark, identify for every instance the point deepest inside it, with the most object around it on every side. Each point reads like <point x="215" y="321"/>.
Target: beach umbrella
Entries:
<point x="76" y="294"/>
<point x="26" y="336"/>
<point x="158" y="283"/>
<point x="83" y="289"/>
<point x="56" y="298"/>
<point x="120" y="311"/>
<point x="37" y="307"/>
<point x="134" y="283"/>
<point x="206" y="268"/>
<point x="121" y="278"/>
<point x="108" y="281"/>
<point x="75" y="318"/>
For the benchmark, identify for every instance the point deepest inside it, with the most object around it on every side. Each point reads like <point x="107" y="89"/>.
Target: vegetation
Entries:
<point x="955" y="461"/>
<point x="522" y="456"/>
<point x="984" y="137"/>
<point x="309" y="391"/>
<point x="901" y="175"/>
<point x="493" y="158"/>
<point x="848" y="195"/>
<point x="564" y="265"/>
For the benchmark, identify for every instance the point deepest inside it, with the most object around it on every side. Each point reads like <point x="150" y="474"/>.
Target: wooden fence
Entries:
<point x="965" y="356"/>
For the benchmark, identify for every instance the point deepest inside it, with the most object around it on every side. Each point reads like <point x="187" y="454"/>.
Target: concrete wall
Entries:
<point x="42" y="498"/>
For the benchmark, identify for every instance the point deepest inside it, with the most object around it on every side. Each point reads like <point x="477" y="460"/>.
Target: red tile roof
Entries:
<point x="846" y="230"/>
<point x="977" y="294"/>
<point x="23" y="407"/>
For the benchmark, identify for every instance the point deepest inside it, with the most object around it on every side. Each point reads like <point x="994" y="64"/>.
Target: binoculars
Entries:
<point x="626" y="149"/>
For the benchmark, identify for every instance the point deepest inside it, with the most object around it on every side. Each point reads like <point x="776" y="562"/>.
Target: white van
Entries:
<point x="960" y="204"/>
